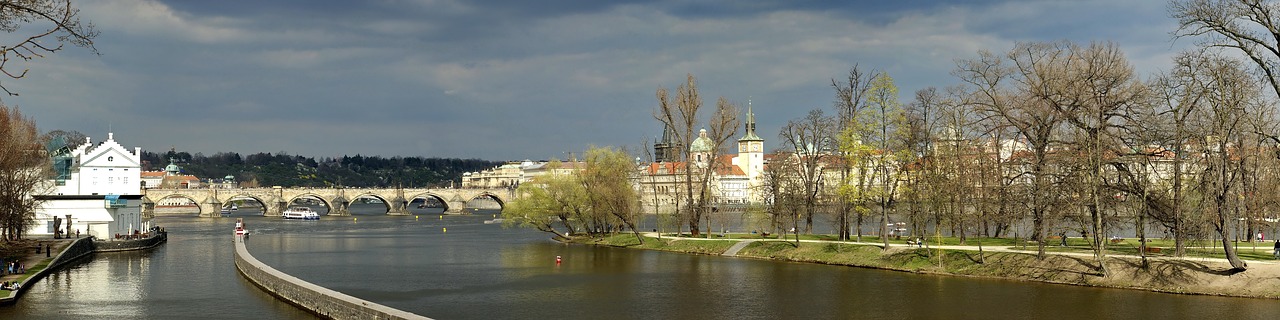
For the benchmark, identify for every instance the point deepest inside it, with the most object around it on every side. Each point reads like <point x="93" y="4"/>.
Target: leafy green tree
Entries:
<point x="546" y="200"/>
<point x="887" y="121"/>
<point x="607" y="175"/>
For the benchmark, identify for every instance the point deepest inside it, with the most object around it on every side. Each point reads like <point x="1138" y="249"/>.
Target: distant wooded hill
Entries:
<point x="281" y="169"/>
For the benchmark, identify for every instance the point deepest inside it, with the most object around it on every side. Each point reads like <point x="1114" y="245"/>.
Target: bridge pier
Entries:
<point x="148" y="209"/>
<point x="398" y="207"/>
<point x="211" y="208"/>
<point x="274" y="209"/>
<point x="340" y="208"/>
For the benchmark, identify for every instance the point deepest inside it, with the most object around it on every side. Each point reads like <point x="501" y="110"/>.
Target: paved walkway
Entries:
<point x="743" y="243"/>
<point x="30" y="259"/>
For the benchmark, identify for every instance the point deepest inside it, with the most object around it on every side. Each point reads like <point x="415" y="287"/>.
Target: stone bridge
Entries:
<point x="338" y="200"/>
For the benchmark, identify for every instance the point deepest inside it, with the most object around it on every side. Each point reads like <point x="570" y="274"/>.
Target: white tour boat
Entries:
<point x="303" y="213"/>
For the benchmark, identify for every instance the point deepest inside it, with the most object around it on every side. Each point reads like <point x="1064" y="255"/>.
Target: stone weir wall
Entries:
<point x="319" y="300"/>
<point x="129" y="245"/>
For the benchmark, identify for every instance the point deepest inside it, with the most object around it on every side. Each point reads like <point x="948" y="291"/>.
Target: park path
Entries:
<point x="743" y="243"/>
<point x="30" y="258"/>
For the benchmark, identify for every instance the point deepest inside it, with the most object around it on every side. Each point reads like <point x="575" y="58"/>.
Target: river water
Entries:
<point x="457" y="267"/>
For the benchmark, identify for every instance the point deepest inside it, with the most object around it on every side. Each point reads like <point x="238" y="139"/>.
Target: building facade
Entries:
<point x="97" y="188"/>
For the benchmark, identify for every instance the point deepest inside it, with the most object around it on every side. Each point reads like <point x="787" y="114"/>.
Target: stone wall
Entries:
<point x="78" y="249"/>
<point x="128" y="245"/>
<point x="319" y="300"/>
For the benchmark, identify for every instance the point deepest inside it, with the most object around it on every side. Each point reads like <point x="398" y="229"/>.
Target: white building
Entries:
<point x="97" y="187"/>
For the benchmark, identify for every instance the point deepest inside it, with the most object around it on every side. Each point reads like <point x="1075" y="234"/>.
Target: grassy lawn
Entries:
<point x="1127" y="246"/>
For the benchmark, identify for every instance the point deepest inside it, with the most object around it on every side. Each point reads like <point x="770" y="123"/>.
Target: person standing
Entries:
<point x="1276" y="249"/>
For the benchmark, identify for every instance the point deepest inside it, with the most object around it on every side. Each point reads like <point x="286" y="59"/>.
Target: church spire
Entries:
<point x="750" y="135"/>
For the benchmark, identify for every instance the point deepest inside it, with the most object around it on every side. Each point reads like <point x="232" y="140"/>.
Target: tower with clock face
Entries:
<point x="751" y="149"/>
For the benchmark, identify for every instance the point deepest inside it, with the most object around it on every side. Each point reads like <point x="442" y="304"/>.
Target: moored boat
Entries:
<point x="240" y="230"/>
<point x="300" y="213"/>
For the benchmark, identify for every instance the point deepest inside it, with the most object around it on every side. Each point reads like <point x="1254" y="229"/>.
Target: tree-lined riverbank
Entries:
<point x="1205" y="276"/>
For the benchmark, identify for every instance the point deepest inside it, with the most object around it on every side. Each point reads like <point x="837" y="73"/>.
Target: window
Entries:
<point x="110" y="158"/>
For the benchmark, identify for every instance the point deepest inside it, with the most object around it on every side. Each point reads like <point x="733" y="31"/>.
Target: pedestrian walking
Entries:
<point x="1276" y="250"/>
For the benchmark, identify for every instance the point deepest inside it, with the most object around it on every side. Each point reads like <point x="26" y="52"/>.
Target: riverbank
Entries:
<point x="1204" y="276"/>
<point x="44" y="256"/>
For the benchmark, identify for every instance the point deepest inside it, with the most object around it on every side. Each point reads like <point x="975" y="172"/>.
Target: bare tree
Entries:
<point x="812" y="138"/>
<point x="58" y="22"/>
<point x="1231" y="98"/>
<point x="783" y="194"/>
<point x="998" y="92"/>
<point x="1251" y="27"/>
<point x="24" y="168"/>
<point x="681" y="114"/>
<point x="1092" y="88"/>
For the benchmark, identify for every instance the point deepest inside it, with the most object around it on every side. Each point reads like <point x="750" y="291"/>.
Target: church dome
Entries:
<point x="702" y="143"/>
<point x="172" y="168"/>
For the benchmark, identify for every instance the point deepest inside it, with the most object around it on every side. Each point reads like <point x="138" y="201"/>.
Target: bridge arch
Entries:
<point x="489" y="196"/>
<point x="176" y="210"/>
<point x="387" y="201"/>
<point x="264" y="201"/>
<point x="432" y="195"/>
<point x="327" y="203"/>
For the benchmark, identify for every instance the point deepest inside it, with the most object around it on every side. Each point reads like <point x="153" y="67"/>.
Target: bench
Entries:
<point x="1153" y="249"/>
<point x="1116" y="240"/>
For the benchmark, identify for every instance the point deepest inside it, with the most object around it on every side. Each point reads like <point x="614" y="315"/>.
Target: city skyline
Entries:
<point x="511" y="80"/>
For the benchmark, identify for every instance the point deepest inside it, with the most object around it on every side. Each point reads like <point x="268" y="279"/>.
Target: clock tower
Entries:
<point x="751" y="148"/>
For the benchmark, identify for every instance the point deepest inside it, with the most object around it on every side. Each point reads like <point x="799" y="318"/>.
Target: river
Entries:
<point x="457" y="267"/>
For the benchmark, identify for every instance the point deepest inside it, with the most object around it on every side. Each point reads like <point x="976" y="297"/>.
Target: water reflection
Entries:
<point x="475" y="271"/>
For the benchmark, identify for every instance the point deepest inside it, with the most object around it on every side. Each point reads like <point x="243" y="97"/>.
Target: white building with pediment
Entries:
<point x="97" y="187"/>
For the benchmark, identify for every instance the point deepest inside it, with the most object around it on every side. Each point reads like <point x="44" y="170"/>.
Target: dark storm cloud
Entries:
<point x="509" y="79"/>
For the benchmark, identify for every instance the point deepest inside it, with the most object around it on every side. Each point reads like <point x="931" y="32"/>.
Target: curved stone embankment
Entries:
<point x="319" y="300"/>
<point x="130" y="245"/>
<point x="78" y="249"/>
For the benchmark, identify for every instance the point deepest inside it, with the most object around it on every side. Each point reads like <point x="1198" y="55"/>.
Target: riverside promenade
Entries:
<point x="320" y="301"/>
<point x="55" y="253"/>
<point x="43" y="263"/>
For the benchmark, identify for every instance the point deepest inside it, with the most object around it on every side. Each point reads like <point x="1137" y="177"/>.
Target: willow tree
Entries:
<point x="607" y="176"/>
<point x="24" y="170"/>
<point x="547" y="200"/>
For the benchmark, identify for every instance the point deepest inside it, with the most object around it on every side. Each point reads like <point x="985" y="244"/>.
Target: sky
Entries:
<point x="512" y="79"/>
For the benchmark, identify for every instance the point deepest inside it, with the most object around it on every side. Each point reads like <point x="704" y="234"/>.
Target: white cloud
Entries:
<point x="147" y="19"/>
